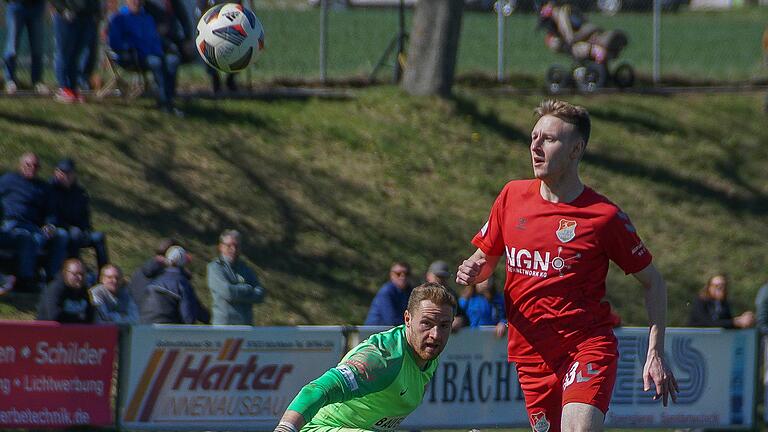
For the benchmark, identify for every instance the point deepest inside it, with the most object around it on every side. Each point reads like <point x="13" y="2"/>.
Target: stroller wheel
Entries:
<point x="557" y="79"/>
<point x="589" y="76"/>
<point x="624" y="76"/>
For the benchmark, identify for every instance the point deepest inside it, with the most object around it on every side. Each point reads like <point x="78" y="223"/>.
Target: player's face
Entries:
<point x="555" y="147"/>
<point x="428" y="329"/>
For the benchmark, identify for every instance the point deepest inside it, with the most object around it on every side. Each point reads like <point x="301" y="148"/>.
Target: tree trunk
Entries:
<point x="433" y="47"/>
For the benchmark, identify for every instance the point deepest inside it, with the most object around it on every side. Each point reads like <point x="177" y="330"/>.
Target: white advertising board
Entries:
<point x="475" y="387"/>
<point x="220" y="378"/>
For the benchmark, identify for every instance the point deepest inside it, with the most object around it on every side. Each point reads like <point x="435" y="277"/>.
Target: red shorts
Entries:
<point x="586" y="375"/>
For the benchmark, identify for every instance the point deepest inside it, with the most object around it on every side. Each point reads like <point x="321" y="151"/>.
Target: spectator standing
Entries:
<point x="234" y="286"/>
<point x="439" y="272"/>
<point x="65" y="299"/>
<point x="712" y="309"/>
<point x="170" y="298"/>
<point x="135" y="41"/>
<point x="151" y="269"/>
<point x="20" y="15"/>
<point x="391" y="300"/>
<point x="484" y="305"/>
<point x="111" y="300"/>
<point x="71" y="213"/>
<point x="26" y="204"/>
<point x="74" y="23"/>
<point x="174" y="27"/>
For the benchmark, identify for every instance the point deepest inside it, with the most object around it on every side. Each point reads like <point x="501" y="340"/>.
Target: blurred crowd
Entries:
<point x="45" y="224"/>
<point x="147" y="37"/>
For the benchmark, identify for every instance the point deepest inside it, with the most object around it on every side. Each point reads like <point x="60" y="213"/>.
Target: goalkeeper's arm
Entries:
<point x="327" y="389"/>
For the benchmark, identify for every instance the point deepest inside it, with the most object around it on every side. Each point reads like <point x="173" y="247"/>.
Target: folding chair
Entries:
<point x="116" y="83"/>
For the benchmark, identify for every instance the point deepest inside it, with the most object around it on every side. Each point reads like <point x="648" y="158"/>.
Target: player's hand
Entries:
<point x="501" y="329"/>
<point x="656" y="372"/>
<point x="468" y="271"/>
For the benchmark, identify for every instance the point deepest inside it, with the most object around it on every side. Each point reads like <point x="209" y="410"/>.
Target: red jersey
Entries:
<point x="556" y="257"/>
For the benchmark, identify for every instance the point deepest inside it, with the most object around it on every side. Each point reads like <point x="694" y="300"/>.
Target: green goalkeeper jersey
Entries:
<point x="374" y="387"/>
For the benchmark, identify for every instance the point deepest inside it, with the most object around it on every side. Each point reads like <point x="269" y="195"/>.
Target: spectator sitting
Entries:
<point x="390" y="302"/>
<point x="65" y="299"/>
<point x="438" y="272"/>
<point x="7" y="243"/>
<point x="20" y="14"/>
<point x="73" y="24"/>
<point x="111" y="300"/>
<point x="711" y="307"/>
<point x="25" y="202"/>
<point x="151" y="269"/>
<point x="234" y="286"/>
<point x="134" y="39"/>
<point x="484" y="306"/>
<point x="170" y="298"/>
<point x="71" y="213"/>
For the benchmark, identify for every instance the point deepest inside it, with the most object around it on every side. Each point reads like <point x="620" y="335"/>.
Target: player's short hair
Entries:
<point x="573" y="114"/>
<point x="435" y="292"/>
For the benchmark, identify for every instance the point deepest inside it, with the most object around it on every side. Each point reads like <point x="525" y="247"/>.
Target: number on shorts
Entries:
<point x="570" y="377"/>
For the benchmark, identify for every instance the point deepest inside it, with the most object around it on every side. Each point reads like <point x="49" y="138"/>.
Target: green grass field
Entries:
<point x="695" y="46"/>
<point x="328" y="193"/>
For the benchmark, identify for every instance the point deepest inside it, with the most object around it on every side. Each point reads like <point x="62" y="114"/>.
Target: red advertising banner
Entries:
<point x="54" y="375"/>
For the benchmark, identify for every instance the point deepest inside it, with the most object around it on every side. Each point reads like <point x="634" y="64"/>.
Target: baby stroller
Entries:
<point x="591" y="48"/>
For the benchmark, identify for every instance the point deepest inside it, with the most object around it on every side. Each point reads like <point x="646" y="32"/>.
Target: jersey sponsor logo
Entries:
<point x="639" y="249"/>
<point x="388" y="423"/>
<point x="521" y="224"/>
<point x="536" y="263"/>
<point x="539" y="422"/>
<point x="484" y="229"/>
<point x="349" y="376"/>
<point x="566" y="230"/>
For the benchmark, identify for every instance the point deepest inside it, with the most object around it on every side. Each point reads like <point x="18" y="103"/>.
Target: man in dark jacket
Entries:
<point x="151" y="269"/>
<point x="65" y="299"/>
<point x="25" y="201"/>
<point x="71" y="213"/>
<point x="390" y="302"/>
<point x="170" y="298"/>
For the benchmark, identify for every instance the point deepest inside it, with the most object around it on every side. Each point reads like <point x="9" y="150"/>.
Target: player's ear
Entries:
<point x="407" y="318"/>
<point x="578" y="149"/>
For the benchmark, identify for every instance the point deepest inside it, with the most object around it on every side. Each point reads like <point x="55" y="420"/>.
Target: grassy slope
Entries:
<point x="329" y="192"/>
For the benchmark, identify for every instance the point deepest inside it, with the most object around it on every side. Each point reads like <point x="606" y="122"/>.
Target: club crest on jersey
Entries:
<point x="540" y="422"/>
<point x="566" y="231"/>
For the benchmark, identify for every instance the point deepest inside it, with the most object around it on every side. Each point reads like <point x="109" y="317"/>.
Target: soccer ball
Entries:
<point x="229" y="37"/>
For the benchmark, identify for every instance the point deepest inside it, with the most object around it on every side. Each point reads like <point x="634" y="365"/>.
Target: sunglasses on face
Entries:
<point x="400" y="273"/>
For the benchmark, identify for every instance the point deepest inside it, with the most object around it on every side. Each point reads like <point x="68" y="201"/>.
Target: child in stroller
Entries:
<point x="591" y="48"/>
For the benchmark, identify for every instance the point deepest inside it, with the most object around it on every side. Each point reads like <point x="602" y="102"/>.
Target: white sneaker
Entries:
<point x="11" y="87"/>
<point x="42" y="89"/>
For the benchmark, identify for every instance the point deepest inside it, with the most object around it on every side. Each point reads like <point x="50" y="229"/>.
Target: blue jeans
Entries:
<point x="20" y="15"/>
<point x="71" y="40"/>
<point x="30" y="243"/>
<point x="78" y="239"/>
<point x="164" y="71"/>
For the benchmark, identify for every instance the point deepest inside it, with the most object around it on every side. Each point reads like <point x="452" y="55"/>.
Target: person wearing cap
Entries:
<point x="439" y="272"/>
<point x="234" y="286"/>
<point x="25" y="206"/>
<point x="391" y="300"/>
<point x="170" y="298"/>
<point x="151" y="269"/>
<point x="71" y="213"/>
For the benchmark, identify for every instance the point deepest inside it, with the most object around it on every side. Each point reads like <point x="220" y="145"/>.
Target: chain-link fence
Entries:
<point x="692" y="41"/>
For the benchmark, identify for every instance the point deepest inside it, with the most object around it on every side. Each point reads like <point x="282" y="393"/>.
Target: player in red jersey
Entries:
<point x="556" y="236"/>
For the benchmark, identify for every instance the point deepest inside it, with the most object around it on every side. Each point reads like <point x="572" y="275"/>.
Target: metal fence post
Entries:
<point x="323" y="40"/>
<point x="656" y="41"/>
<point x="500" y="41"/>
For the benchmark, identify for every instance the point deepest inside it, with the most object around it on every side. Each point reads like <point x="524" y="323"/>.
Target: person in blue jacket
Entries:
<point x="134" y="39"/>
<point x="388" y="306"/>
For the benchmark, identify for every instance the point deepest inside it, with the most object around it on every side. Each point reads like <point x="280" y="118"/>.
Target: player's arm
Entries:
<point x="656" y="370"/>
<point x="476" y="268"/>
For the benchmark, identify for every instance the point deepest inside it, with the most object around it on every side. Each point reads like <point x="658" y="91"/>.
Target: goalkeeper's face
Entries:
<point x="428" y="328"/>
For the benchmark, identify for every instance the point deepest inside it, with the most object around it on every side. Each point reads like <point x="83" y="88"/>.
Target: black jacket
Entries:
<point x="707" y="313"/>
<point x="70" y="207"/>
<point x="63" y="304"/>
<point x="170" y="299"/>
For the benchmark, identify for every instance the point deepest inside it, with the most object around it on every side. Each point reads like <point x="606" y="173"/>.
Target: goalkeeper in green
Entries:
<point x="382" y="380"/>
